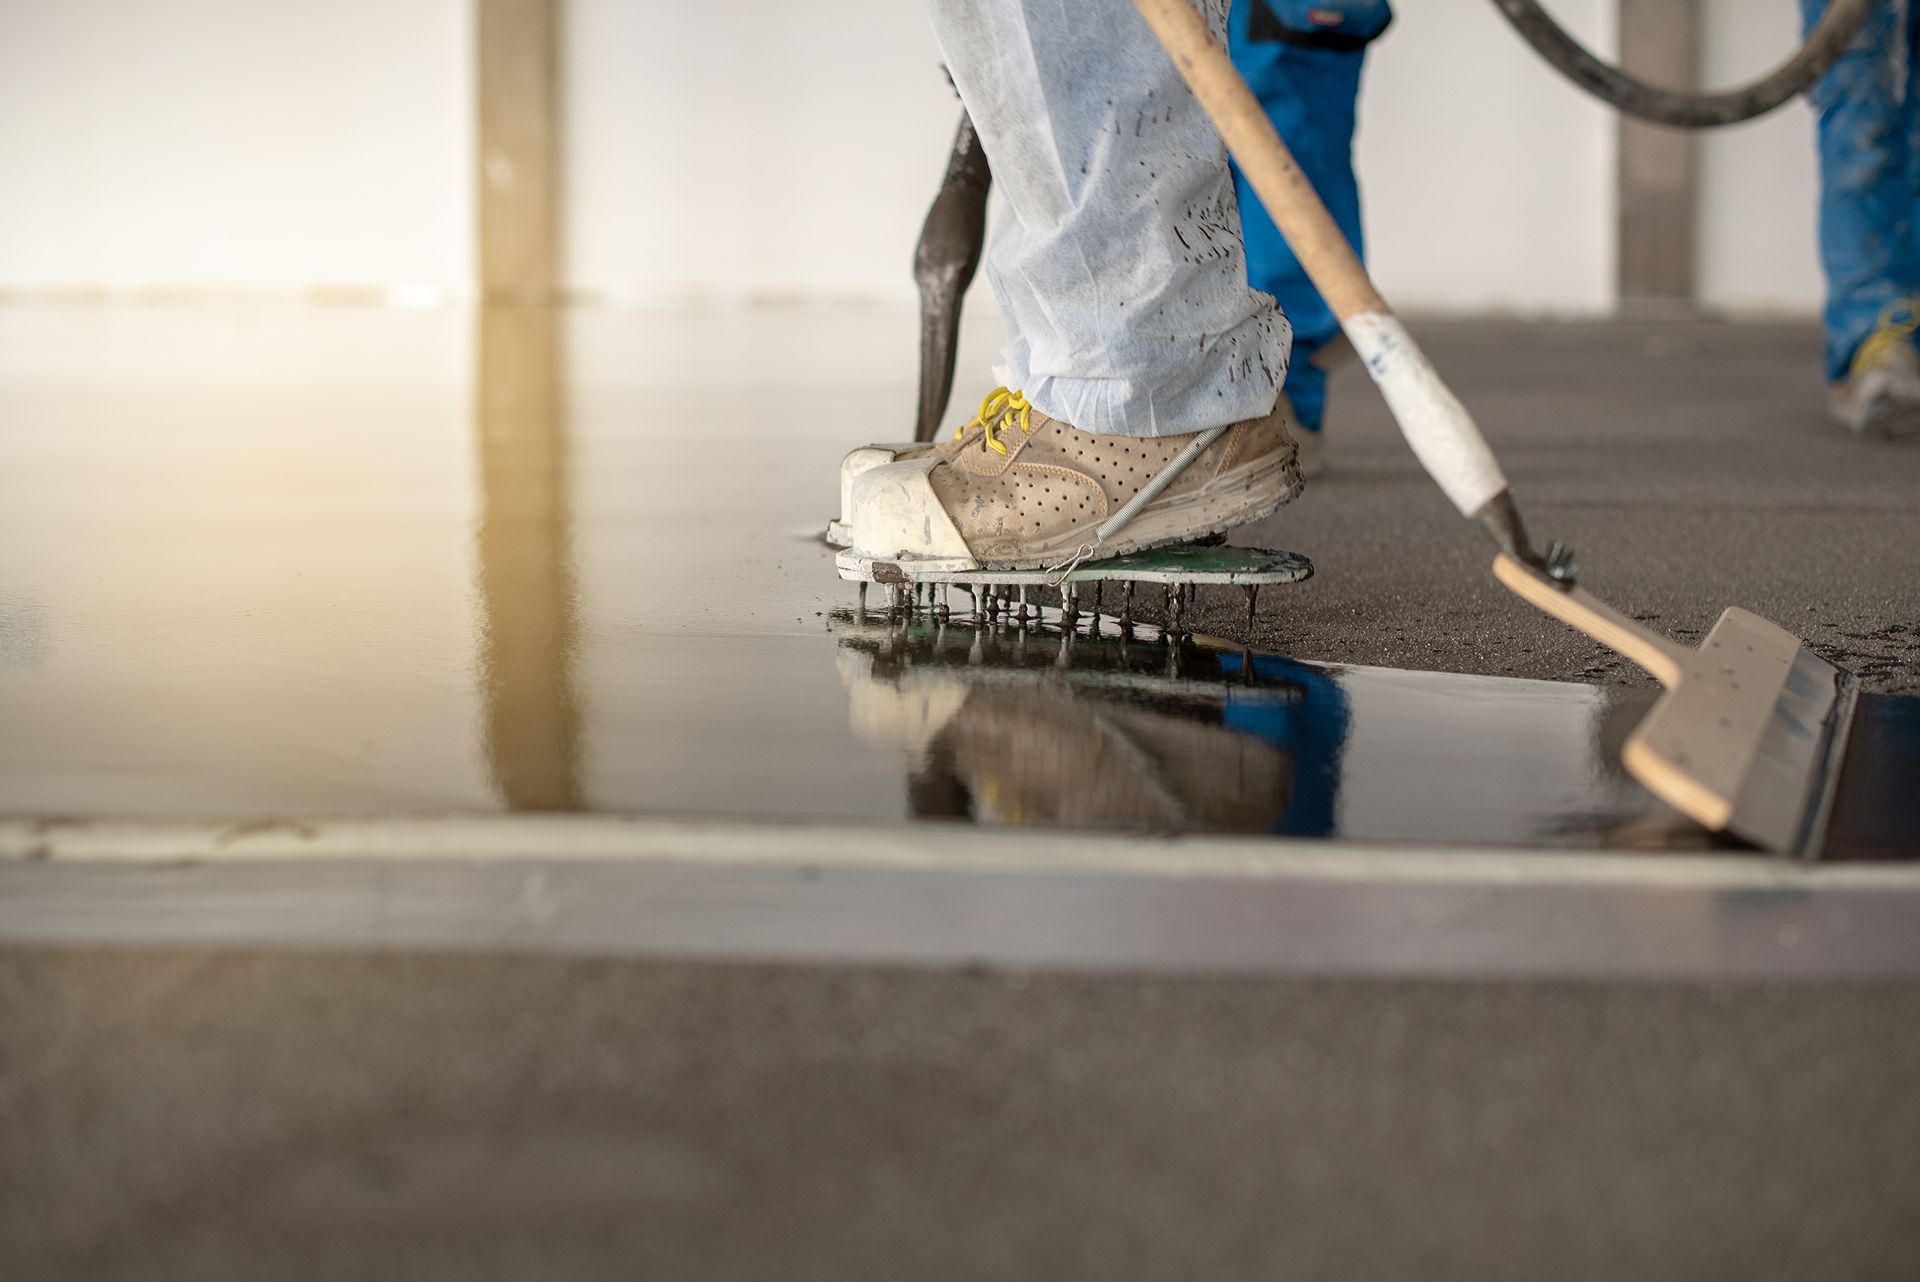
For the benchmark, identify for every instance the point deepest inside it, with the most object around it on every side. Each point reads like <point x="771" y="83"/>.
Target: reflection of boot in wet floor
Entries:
<point x="1035" y="752"/>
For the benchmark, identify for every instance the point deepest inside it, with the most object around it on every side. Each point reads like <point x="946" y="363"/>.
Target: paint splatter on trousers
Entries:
<point x="1118" y="262"/>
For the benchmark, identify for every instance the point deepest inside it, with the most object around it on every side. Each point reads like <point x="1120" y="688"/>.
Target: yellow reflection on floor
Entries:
<point x="526" y="571"/>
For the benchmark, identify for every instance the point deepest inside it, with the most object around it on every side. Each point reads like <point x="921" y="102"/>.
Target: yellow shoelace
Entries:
<point x="1897" y="325"/>
<point x="1000" y="405"/>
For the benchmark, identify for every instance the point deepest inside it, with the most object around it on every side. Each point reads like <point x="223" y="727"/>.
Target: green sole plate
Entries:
<point x="1185" y="564"/>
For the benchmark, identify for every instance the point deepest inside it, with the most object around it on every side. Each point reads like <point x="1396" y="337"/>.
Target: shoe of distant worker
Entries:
<point x="1880" y="396"/>
<point x="1027" y="491"/>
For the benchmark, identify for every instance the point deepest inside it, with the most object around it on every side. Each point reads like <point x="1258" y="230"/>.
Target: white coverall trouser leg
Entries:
<point x="1118" y="264"/>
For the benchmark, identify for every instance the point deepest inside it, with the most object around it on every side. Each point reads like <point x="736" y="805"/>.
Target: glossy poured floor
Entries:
<point x="275" y="568"/>
<point x="283" y="563"/>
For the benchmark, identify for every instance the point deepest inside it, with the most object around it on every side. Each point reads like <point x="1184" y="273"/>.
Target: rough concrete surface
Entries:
<point x="1691" y="465"/>
<point x="243" y="1116"/>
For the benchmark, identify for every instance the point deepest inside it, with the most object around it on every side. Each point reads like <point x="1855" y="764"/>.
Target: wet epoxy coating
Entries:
<point x="281" y="562"/>
<point x="1096" y="725"/>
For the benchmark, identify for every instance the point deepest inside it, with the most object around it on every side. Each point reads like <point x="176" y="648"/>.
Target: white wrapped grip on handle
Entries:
<point x="1437" y="426"/>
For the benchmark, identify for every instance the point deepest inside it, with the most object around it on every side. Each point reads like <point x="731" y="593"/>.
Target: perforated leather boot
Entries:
<point x="1022" y="490"/>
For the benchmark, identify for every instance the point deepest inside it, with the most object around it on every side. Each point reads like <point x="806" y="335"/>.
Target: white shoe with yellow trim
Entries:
<point x="1021" y="490"/>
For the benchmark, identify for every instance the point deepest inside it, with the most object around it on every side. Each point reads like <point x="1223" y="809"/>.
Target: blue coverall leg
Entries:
<point x="1869" y="132"/>
<point x="1303" y="60"/>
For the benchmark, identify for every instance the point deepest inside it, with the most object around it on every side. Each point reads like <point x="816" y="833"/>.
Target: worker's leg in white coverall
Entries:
<point x="1121" y="272"/>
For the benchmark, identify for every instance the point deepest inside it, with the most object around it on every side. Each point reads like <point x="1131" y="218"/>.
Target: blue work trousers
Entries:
<point x="1869" y="139"/>
<point x="1869" y="130"/>
<point x="1302" y="59"/>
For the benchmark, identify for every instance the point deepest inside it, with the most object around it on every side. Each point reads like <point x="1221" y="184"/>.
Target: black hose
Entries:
<point x="943" y="267"/>
<point x="1834" y="32"/>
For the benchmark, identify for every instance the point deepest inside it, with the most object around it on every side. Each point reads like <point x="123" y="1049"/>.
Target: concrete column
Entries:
<point x="517" y="183"/>
<point x="526" y="580"/>
<point x="1659" y="43"/>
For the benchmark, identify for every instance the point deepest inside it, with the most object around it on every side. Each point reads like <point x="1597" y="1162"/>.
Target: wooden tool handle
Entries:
<point x="1584" y="612"/>
<point x="1441" y="432"/>
<point x="1296" y="208"/>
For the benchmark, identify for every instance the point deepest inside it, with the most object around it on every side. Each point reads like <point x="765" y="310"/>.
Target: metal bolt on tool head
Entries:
<point x="1560" y="564"/>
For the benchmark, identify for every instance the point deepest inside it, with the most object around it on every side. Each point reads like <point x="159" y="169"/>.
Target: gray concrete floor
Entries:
<point x="1690" y="465"/>
<point x="191" y="1115"/>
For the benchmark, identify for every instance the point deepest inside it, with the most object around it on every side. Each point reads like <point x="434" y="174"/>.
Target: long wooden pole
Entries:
<point x="1443" y="435"/>
<point x="1296" y="207"/>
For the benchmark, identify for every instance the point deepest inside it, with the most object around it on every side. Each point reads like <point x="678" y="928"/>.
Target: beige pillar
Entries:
<point x="518" y="181"/>
<point x="526" y="583"/>
<point x="1659" y="43"/>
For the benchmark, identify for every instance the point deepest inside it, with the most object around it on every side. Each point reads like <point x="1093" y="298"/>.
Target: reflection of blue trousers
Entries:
<point x="1302" y="59"/>
<point x="1869" y="176"/>
<point x="1311" y="729"/>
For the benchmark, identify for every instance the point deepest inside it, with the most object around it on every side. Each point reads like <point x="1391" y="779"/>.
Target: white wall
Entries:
<point x="1487" y="181"/>
<point x="1759" y="182"/>
<point x="234" y="144"/>
<point x="738" y="149"/>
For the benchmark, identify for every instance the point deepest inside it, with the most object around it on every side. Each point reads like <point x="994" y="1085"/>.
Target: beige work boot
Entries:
<point x="867" y="457"/>
<point x="1023" y="491"/>
<point x="1880" y="396"/>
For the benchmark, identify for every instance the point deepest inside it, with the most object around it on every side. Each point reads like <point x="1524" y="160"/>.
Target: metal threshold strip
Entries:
<point x="940" y="894"/>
